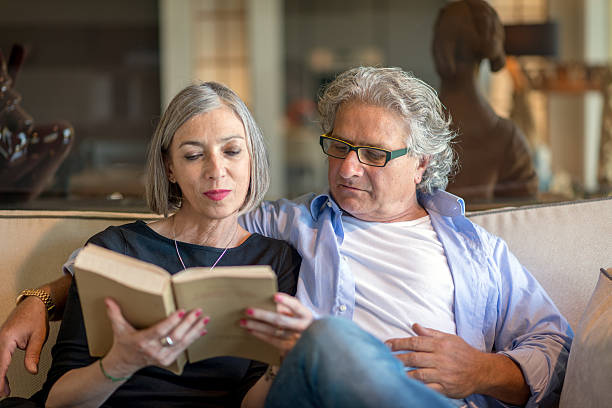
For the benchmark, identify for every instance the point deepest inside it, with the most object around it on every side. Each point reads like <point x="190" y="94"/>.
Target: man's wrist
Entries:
<point x="42" y="295"/>
<point x="502" y="378"/>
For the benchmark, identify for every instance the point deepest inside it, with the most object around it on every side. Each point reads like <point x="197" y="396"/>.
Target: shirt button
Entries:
<point x="329" y="204"/>
<point x="342" y="308"/>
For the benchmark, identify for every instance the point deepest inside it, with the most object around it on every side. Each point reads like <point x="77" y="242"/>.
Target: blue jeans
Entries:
<point x="337" y="364"/>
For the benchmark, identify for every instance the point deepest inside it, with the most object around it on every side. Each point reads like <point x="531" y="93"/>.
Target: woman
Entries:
<point x="206" y="165"/>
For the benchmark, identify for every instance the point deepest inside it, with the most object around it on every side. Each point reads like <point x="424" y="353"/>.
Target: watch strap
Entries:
<point x="39" y="293"/>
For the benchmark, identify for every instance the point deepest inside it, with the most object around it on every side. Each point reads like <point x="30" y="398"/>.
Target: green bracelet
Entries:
<point x="110" y="377"/>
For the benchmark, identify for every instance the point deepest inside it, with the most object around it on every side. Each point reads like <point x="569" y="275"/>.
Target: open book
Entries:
<point x="148" y="294"/>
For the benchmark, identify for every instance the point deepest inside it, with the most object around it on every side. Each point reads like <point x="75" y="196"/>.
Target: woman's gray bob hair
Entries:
<point x="164" y="197"/>
<point x="409" y="97"/>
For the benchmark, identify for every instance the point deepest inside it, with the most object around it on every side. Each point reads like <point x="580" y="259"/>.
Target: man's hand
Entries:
<point x="447" y="364"/>
<point x="443" y="361"/>
<point x="26" y="328"/>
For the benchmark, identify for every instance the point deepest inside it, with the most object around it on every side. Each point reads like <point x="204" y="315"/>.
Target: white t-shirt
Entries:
<point x="401" y="277"/>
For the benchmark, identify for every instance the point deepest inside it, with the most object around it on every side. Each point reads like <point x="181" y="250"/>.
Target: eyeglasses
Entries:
<point x="372" y="156"/>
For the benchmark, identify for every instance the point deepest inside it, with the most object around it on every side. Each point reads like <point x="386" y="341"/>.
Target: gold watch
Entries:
<point x="41" y="294"/>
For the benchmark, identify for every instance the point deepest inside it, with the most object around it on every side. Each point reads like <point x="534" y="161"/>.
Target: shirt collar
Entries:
<point x="318" y="204"/>
<point x="440" y="201"/>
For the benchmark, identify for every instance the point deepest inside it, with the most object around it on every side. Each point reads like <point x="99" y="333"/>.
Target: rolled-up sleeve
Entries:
<point x="68" y="267"/>
<point x="530" y="329"/>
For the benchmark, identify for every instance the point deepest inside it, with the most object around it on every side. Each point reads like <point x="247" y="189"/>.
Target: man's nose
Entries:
<point x="351" y="166"/>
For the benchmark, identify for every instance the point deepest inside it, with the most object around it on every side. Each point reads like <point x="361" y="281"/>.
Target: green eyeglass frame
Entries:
<point x="325" y="140"/>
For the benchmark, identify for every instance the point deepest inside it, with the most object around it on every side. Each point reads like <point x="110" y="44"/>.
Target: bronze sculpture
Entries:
<point x="494" y="159"/>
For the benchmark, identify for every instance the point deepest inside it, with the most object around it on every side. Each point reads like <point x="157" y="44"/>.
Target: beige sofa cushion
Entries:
<point x="588" y="381"/>
<point x="563" y="245"/>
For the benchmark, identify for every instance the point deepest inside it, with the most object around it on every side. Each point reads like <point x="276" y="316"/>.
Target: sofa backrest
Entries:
<point x="563" y="246"/>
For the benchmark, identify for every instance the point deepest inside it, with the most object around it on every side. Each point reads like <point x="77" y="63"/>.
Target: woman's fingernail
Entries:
<point x="250" y="312"/>
<point x="198" y="313"/>
<point x="206" y="319"/>
<point x="277" y="297"/>
<point x="181" y="314"/>
<point x="243" y="322"/>
<point x="203" y="332"/>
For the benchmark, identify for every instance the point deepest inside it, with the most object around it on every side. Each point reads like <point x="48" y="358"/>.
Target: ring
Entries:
<point x="166" y="341"/>
<point x="279" y="333"/>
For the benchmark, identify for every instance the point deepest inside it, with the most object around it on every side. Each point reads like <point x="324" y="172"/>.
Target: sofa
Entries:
<point x="563" y="245"/>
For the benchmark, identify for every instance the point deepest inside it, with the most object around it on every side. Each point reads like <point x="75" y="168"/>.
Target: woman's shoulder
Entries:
<point x="261" y="241"/>
<point x="276" y="250"/>
<point x="114" y="237"/>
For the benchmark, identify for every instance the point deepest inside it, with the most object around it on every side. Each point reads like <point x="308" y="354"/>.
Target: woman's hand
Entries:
<point x="131" y="350"/>
<point x="282" y="328"/>
<point x="134" y="349"/>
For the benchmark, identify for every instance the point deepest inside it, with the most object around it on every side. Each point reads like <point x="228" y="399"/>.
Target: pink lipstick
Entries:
<point x="217" y="195"/>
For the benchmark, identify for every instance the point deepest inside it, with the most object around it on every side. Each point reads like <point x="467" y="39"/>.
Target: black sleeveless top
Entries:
<point x="216" y="382"/>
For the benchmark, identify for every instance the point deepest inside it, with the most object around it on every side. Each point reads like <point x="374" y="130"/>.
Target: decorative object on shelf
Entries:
<point x="571" y="78"/>
<point x="495" y="162"/>
<point x="29" y="154"/>
<point x="532" y="39"/>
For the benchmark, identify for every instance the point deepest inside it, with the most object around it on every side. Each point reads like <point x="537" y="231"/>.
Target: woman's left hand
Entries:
<point x="282" y="328"/>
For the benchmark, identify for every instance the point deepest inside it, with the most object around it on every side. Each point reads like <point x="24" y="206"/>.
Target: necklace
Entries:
<point x="218" y="259"/>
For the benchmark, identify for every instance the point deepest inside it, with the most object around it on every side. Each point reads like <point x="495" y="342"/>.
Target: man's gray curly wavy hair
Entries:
<point x="413" y="100"/>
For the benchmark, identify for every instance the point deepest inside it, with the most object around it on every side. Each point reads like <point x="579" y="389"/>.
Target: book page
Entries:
<point x="144" y="295"/>
<point x="224" y="294"/>
<point x="132" y="272"/>
<point x="197" y="273"/>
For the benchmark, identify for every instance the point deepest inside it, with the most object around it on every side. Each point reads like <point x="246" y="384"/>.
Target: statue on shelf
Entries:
<point x="29" y="154"/>
<point x="495" y="163"/>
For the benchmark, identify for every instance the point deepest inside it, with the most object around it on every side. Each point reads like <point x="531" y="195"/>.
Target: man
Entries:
<point x="387" y="248"/>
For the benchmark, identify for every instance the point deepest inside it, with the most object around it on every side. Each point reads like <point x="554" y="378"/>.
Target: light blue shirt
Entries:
<point x="498" y="305"/>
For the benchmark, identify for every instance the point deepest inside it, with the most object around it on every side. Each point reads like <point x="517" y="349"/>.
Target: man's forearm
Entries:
<point x="58" y="290"/>
<point x="504" y="380"/>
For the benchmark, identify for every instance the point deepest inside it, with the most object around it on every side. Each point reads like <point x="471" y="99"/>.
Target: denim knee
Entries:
<point x="331" y="335"/>
<point x="330" y="328"/>
<point x="332" y="339"/>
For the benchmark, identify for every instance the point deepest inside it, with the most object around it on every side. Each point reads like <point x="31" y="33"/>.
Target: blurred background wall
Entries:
<point x="110" y="67"/>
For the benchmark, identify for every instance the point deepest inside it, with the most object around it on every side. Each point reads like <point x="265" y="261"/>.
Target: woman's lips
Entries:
<point x="217" y="195"/>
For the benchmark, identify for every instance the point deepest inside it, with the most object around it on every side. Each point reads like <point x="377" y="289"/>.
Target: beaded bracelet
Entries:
<point x="110" y="377"/>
